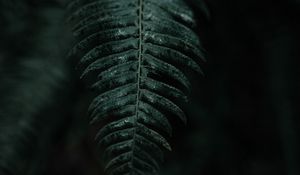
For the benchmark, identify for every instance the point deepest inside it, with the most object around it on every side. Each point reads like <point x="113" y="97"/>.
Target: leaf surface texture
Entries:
<point x="135" y="54"/>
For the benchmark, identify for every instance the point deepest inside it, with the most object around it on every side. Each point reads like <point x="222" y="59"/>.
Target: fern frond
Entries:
<point x="135" y="53"/>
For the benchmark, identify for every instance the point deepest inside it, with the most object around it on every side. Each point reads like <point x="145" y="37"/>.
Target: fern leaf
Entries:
<point x="135" y="53"/>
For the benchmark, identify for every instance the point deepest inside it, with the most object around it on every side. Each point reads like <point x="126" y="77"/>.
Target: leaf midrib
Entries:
<point x="140" y="49"/>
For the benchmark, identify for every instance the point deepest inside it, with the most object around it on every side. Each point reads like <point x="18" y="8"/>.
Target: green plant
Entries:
<point x="135" y="53"/>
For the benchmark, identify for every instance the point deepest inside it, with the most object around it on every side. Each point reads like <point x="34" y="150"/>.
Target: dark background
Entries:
<point x="243" y="115"/>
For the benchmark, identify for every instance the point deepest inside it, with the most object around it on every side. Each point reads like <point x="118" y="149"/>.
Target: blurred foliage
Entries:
<point x="243" y="116"/>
